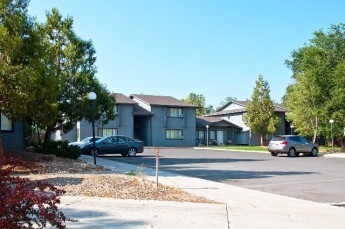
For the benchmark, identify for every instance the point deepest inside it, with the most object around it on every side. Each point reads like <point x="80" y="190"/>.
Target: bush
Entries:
<point x="59" y="149"/>
<point x="25" y="203"/>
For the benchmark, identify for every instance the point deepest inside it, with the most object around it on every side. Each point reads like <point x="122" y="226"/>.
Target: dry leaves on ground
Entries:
<point x="79" y="178"/>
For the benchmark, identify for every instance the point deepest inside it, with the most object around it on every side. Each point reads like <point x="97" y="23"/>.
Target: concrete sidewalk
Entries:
<point x="241" y="209"/>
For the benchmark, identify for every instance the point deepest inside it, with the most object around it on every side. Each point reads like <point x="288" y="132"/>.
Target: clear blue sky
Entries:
<point x="216" y="48"/>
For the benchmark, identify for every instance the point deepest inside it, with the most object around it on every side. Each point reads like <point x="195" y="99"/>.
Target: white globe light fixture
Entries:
<point x="331" y="122"/>
<point x="207" y="126"/>
<point x="92" y="96"/>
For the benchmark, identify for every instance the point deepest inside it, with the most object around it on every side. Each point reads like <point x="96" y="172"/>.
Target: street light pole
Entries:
<point x="291" y="126"/>
<point x="207" y="126"/>
<point x="92" y="97"/>
<point x="331" y="122"/>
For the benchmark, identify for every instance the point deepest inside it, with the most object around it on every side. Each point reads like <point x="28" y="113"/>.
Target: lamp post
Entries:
<point x="92" y="96"/>
<point x="291" y="126"/>
<point x="331" y="122"/>
<point x="207" y="126"/>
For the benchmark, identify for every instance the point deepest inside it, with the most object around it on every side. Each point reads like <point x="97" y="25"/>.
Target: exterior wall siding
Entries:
<point x="238" y="120"/>
<point x="123" y="122"/>
<point x="160" y="123"/>
<point x="14" y="140"/>
<point x="246" y="137"/>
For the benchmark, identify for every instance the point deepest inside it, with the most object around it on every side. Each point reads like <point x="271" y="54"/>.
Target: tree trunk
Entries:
<point x="261" y="140"/>
<point x="48" y="133"/>
<point x="341" y="141"/>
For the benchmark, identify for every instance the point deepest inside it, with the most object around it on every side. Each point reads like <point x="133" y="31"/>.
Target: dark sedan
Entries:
<point x="84" y="142"/>
<point x="117" y="144"/>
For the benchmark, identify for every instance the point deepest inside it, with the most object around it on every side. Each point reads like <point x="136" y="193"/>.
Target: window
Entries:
<point x="268" y="137"/>
<point x="121" y="139"/>
<point x="212" y="134"/>
<point x="304" y="140"/>
<point x="175" y="112"/>
<point x="295" y="139"/>
<point x="103" y="132"/>
<point x="116" y="109"/>
<point x="200" y="134"/>
<point x="6" y="124"/>
<point x="173" y="134"/>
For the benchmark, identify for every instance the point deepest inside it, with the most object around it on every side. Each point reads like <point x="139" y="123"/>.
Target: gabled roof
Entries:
<point x="138" y="110"/>
<point x="225" y="112"/>
<point x="159" y="100"/>
<point x="122" y="99"/>
<point x="202" y="121"/>
<point x="277" y="108"/>
<point x="238" y="102"/>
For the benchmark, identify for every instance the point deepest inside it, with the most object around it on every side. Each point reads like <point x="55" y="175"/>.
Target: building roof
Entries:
<point x="140" y="111"/>
<point x="122" y="99"/>
<point x="202" y="121"/>
<point x="277" y="108"/>
<point x="159" y="100"/>
<point x="238" y="102"/>
<point x="225" y="112"/>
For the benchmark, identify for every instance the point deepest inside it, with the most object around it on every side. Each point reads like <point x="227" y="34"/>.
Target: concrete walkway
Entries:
<point x="240" y="209"/>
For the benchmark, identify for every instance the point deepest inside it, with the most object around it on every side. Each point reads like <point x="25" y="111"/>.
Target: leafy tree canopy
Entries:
<point x="198" y="100"/>
<point x="317" y="92"/>
<point x="260" y="116"/>
<point x="225" y="101"/>
<point x="47" y="71"/>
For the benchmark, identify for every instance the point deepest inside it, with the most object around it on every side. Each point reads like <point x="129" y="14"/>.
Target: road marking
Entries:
<point x="300" y="182"/>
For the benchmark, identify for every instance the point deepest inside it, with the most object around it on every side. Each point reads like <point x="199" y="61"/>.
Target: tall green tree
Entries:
<point x="209" y="109"/>
<point x="71" y="62"/>
<point x="260" y="116"/>
<point x="316" y="94"/>
<point x="47" y="71"/>
<point x="15" y="50"/>
<point x="197" y="100"/>
<point x="225" y="101"/>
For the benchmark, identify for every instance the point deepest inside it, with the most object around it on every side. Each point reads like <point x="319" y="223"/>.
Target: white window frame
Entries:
<point x="104" y="132"/>
<point x="6" y="123"/>
<point x="212" y="135"/>
<point x="200" y="134"/>
<point x="116" y="109"/>
<point x="175" y="112"/>
<point x="174" y="134"/>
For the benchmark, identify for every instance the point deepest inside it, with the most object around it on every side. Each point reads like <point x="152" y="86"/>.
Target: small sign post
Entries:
<point x="157" y="164"/>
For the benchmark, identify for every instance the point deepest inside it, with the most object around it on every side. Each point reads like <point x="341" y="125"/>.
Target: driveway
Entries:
<point x="318" y="179"/>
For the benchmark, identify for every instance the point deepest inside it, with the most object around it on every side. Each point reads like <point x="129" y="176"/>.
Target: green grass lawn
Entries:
<point x="322" y="149"/>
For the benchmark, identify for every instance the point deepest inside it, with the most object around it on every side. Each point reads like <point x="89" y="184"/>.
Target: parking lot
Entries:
<point x="318" y="179"/>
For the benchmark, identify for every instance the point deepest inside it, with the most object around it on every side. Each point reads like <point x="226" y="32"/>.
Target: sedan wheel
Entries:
<point x="292" y="152"/>
<point x="132" y="152"/>
<point x="314" y="152"/>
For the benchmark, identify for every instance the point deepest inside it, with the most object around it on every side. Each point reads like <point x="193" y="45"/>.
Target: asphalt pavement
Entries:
<point x="240" y="208"/>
